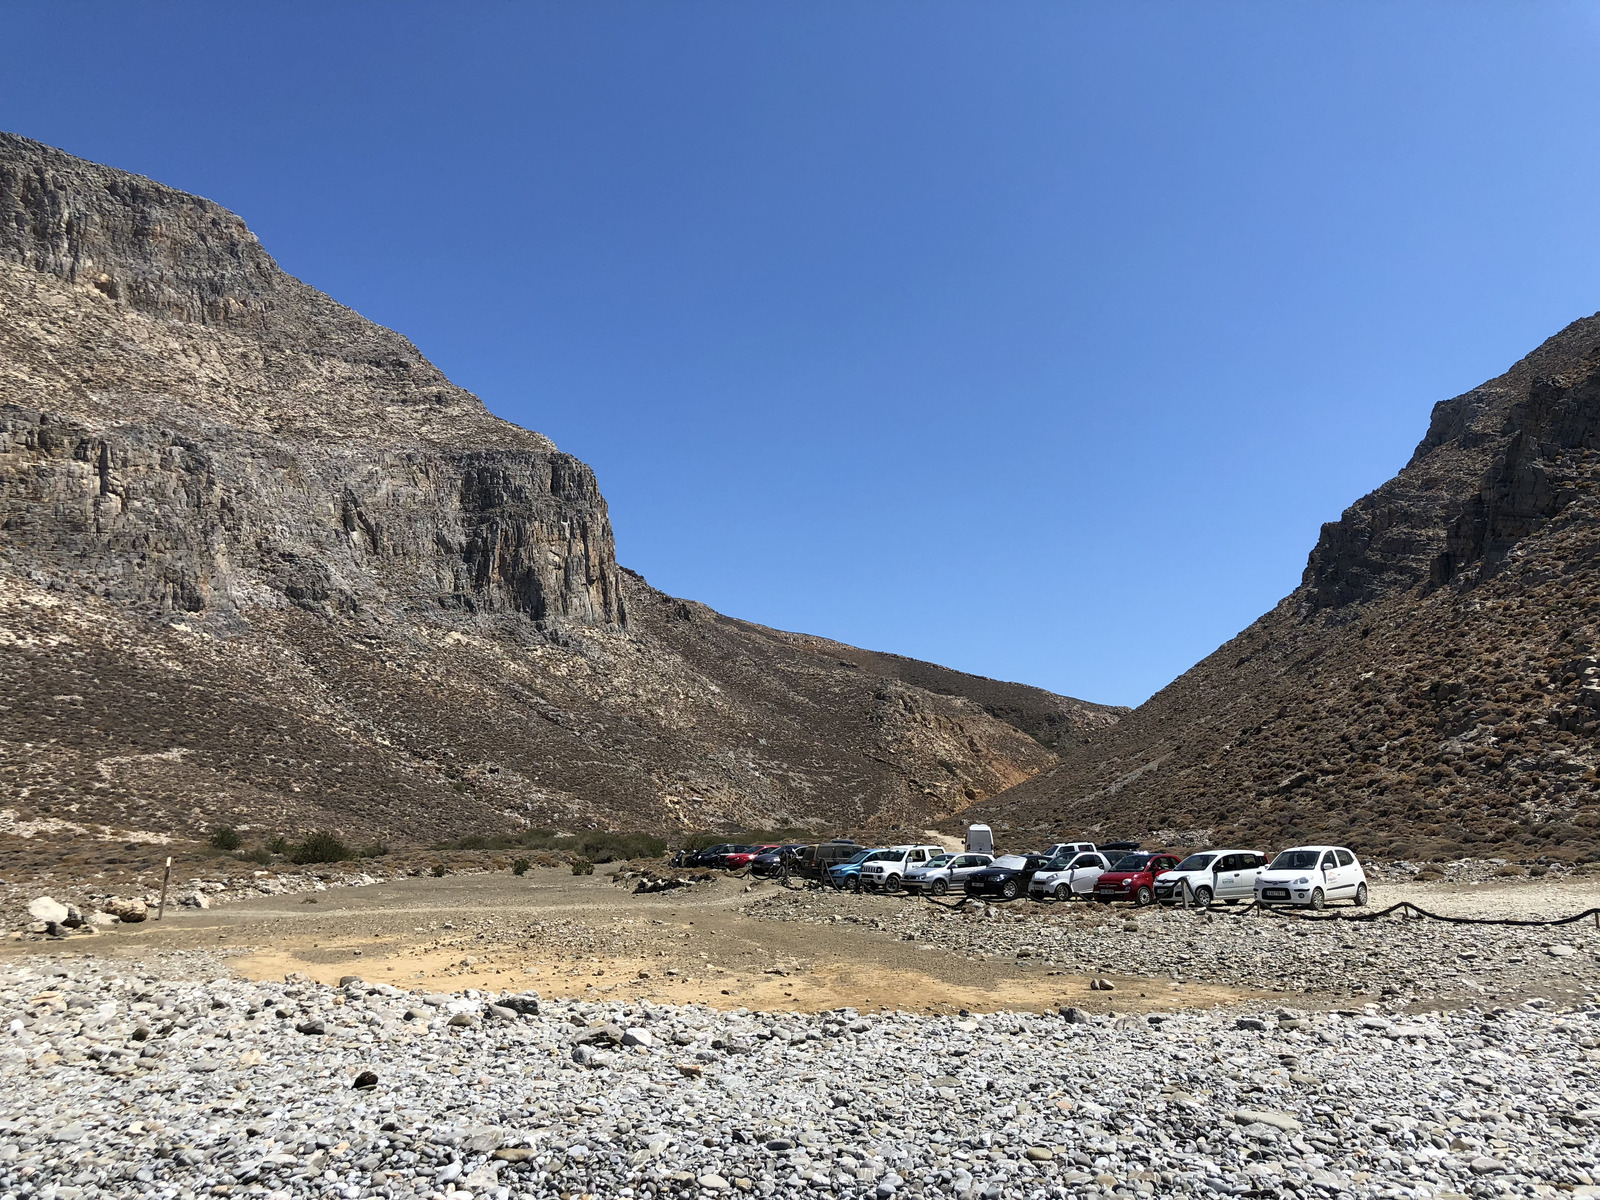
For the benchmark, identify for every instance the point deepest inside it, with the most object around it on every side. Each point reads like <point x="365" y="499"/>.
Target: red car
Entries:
<point x="742" y="857"/>
<point x="1133" y="877"/>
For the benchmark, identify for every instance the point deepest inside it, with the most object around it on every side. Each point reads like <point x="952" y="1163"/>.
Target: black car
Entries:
<point x="711" y="856"/>
<point x="1007" y="877"/>
<point x="773" y="861"/>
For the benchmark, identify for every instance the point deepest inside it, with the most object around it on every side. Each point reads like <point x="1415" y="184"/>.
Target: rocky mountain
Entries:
<point x="262" y="564"/>
<point x="1430" y="689"/>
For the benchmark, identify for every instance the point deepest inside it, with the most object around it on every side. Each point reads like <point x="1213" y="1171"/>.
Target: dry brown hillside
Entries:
<point x="1430" y="689"/>
<point x="262" y="564"/>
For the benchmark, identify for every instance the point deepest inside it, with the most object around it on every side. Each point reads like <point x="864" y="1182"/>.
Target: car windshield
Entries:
<point x="942" y="860"/>
<point x="1196" y="862"/>
<point x="1009" y="862"/>
<point x="1133" y="862"/>
<point x="1295" y="860"/>
<point x="860" y="858"/>
<point x="1059" y="863"/>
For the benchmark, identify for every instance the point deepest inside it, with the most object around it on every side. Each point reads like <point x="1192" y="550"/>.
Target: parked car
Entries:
<point x="1226" y="875"/>
<point x="772" y="860"/>
<point x="848" y="873"/>
<point x="815" y="861"/>
<point x="709" y="856"/>
<point x="885" y="870"/>
<point x="938" y="875"/>
<point x="1068" y="876"/>
<point x="737" y="860"/>
<point x="1068" y="849"/>
<point x="1112" y="849"/>
<point x="1133" y="877"/>
<point x="980" y="839"/>
<point x="1007" y="877"/>
<point x="1312" y="875"/>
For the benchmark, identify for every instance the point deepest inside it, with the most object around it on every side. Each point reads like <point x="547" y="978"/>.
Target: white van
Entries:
<point x="980" y="839"/>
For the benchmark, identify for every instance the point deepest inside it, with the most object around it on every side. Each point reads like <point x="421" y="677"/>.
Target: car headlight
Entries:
<point x="1303" y="879"/>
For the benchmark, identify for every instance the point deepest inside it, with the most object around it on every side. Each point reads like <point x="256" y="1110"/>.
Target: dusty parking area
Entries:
<point x="588" y="937"/>
<point x="734" y="943"/>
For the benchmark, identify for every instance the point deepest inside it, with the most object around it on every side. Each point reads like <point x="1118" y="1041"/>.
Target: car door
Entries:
<point x="1226" y="870"/>
<point x="1330" y="875"/>
<point x="1349" y="872"/>
<point x="1086" y="868"/>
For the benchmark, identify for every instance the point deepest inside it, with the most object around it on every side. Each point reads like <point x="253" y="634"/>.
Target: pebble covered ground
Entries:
<point x="166" y="1077"/>
<point x="1412" y="961"/>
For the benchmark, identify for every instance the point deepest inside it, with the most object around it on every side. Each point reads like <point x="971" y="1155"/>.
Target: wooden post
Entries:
<point x="165" y="877"/>
<point x="1184" y="884"/>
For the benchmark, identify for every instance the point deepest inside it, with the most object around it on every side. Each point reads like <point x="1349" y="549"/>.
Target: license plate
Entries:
<point x="1275" y="893"/>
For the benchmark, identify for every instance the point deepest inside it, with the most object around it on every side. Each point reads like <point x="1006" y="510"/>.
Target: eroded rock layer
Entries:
<point x="261" y="563"/>
<point x="1431" y="688"/>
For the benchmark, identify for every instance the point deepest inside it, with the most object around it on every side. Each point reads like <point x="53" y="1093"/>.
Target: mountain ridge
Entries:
<point x="262" y="564"/>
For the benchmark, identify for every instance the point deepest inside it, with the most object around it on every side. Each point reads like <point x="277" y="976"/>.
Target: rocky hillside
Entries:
<point x="261" y="563"/>
<point x="1430" y="688"/>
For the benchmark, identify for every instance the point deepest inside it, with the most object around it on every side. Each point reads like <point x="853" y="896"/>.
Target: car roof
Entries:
<point x="1286" y="849"/>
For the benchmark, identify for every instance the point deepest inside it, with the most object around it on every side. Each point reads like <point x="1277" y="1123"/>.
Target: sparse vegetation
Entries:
<point x="376" y="850"/>
<point x="582" y="866"/>
<point x="520" y="867"/>
<point x="320" y="846"/>
<point x="278" y="845"/>
<point x="225" y="837"/>
<point x="597" y="846"/>
<point x="440" y="870"/>
<point x="259" y="855"/>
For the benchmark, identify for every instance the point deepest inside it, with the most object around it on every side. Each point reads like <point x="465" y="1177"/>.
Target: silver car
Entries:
<point x="939" y="874"/>
<point x="1068" y="877"/>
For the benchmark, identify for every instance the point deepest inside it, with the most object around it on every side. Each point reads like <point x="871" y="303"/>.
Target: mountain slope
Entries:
<point x="261" y="563"/>
<point x="1430" y="688"/>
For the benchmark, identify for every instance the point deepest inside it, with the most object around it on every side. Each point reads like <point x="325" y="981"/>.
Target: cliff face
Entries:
<point x="187" y="427"/>
<point x="260" y="562"/>
<point x="1431" y="687"/>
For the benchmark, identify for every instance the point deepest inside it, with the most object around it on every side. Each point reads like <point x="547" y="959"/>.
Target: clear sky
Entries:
<point x="1036" y="339"/>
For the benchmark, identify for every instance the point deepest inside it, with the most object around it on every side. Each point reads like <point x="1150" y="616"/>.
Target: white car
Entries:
<point x="1312" y="876"/>
<point x="938" y="874"/>
<point x="886" y="869"/>
<point x="1067" y="876"/>
<point x="1067" y="849"/>
<point x="1226" y="875"/>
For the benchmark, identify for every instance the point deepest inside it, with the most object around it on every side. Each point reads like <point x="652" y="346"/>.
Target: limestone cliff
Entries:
<point x="260" y="562"/>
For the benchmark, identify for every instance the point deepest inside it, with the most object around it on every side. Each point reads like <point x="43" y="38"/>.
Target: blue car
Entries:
<point x="848" y="873"/>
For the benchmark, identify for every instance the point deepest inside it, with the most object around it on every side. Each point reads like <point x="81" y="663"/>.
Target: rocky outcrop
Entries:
<point x="1431" y="688"/>
<point x="262" y="564"/>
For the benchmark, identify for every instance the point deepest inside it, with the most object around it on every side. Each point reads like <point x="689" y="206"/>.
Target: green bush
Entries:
<point x="376" y="850"/>
<point x="596" y="846"/>
<point x="225" y="837"/>
<point x="440" y="870"/>
<point x="259" y="855"/>
<point x="320" y="847"/>
<point x="278" y="845"/>
<point x="520" y="867"/>
<point x="582" y="866"/>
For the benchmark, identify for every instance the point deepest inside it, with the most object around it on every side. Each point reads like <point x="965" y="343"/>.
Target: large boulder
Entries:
<point x="49" y="910"/>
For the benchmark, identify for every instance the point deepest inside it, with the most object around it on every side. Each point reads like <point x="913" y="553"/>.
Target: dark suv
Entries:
<point x="1007" y="876"/>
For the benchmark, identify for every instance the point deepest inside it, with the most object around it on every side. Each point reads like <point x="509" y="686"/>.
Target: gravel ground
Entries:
<point x="167" y="1078"/>
<point x="1411" y="962"/>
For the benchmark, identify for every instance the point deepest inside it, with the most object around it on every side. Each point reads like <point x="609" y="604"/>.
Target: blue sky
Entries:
<point x="1033" y="339"/>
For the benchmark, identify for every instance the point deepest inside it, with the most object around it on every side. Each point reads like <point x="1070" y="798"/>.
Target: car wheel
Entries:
<point x="1063" y="892"/>
<point x="892" y="884"/>
<point x="1144" y="897"/>
<point x="1361" y="895"/>
<point x="939" y="887"/>
<point x="1202" y="897"/>
<point x="1316" y="900"/>
<point x="1008" y="889"/>
<point x="855" y="883"/>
